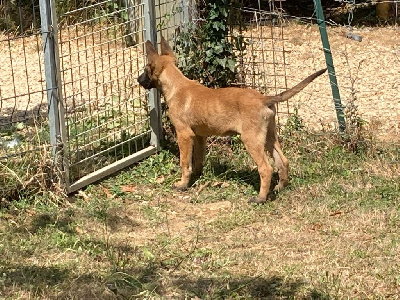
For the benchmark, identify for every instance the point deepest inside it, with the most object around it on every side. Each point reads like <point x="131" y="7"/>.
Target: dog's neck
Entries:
<point x="168" y="79"/>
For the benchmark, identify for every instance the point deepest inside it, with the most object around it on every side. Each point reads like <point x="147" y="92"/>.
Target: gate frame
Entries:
<point x="56" y="114"/>
<point x="52" y="68"/>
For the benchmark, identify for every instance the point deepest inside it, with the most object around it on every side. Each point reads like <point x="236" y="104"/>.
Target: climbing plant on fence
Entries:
<point x="204" y="50"/>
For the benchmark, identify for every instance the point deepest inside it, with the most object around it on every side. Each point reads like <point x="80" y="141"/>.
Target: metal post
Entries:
<point x="329" y="63"/>
<point x="53" y="80"/>
<point x="153" y="95"/>
<point x="187" y="16"/>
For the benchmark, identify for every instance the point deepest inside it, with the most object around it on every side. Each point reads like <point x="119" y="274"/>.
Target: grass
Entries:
<point x="331" y="234"/>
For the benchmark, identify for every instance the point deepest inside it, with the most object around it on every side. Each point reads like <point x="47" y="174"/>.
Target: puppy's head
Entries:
<point x="155" y="64"/>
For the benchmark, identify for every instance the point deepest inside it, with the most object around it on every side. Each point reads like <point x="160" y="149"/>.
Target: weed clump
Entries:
<point x="356" y="137"/>
<point x="30" y="175"/>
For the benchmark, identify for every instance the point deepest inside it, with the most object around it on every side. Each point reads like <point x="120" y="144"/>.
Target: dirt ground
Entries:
<point x="369" y="68"/>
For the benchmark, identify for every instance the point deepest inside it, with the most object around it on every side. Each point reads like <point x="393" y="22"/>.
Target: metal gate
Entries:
<point x="100" y="119"/>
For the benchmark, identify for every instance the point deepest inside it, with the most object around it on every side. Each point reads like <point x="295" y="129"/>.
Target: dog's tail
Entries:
<point x="269" y="100"/>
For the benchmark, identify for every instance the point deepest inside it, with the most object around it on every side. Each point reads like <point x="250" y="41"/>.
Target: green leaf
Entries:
<point x="147" y="254"/>
<point x="216" y="25"/>
<point x="213" y="15"/>
<point x="20" y="126"/>
<point x="231" y="65"/>
<point x="222" y="61"/>
<point x="218" y="49"/>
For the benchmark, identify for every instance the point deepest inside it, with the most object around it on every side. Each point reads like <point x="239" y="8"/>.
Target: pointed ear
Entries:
<point x="165" y="48"/>
<point x="150" y="50"/>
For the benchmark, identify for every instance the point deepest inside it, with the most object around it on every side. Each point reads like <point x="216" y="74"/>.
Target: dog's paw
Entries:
<point x="257" y="200"/>
<point x="179" y="187"/>
<point x="280" y="186"/>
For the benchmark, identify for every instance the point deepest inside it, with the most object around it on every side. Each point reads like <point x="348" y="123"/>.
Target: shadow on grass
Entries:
<point x="144" y="281"/>
<point x="65" y="222"/>
<point x="246" y="176"/>
<point x="41" y="221"/>
<point x="38" y="276"/>
<point x="46" y="282"/>
<point x="149" y="281"/>
<point x="60" y="283"/>
<point x="244" y="288"/>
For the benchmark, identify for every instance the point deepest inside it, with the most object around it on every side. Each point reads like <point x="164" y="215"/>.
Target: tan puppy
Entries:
<point x="197" y="112"/>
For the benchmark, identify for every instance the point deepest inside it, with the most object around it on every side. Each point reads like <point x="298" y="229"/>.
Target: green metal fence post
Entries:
<point x="329" y="62"/>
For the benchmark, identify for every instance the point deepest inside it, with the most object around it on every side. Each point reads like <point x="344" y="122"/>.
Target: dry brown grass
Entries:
<point x="333" y="234"/>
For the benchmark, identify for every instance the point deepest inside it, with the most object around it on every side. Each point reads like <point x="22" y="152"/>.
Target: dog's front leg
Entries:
<point x="185" y="144"/>
<point x="199" y="154"/>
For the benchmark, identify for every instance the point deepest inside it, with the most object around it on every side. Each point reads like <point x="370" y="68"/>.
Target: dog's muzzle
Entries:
<point x="145" y="81"/>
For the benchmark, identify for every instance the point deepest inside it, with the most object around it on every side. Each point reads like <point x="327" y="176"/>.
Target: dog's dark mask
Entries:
<point x="145" y="81"/>
<point x="150" y="77"/>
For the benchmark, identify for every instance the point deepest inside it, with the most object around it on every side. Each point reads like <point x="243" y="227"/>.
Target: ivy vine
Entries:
<point x="204" y="50"/>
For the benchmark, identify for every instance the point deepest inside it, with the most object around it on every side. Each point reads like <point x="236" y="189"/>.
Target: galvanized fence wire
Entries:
<point x="367" y="73"/>
<point x="22" y="84"/>
<point x="24" y="130"/>
<point x="261" y="60"/>
<point x="169" y="17"/>
<point x="107" y="115"/>
<point x="260" y="63"/>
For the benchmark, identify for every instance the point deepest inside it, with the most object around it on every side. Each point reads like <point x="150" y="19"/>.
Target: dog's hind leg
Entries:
<point x="185" y="144"/>
<point x="198" y="154"/>
<point x="281" y="162"/>
<point x="255" y="146"/>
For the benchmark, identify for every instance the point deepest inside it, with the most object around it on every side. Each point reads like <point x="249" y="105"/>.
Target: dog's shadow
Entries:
<point x="244" y="175"/>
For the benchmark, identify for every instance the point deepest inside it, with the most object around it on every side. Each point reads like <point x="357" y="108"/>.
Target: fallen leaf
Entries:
<point x="336" y="213"/>
<point x="225" y="185"/>
<point x="107" y="192"/>
<point x="128" y="188"/>
<point x="202" y="187"/>
<point x="78" y="230"/>
<point x="83" y="195"/>
<point x="217" y="184"/>
<point x="160" y="179"/>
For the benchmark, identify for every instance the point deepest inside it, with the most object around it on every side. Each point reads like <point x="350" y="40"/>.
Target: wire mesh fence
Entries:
<point x="105" y="117"/>
<point x="22" y="84"/>
<point x="367" y="68"/>
<point x="23" y="103"/>
<point x="261" y="53"/>
<point x="106" y="113"/>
